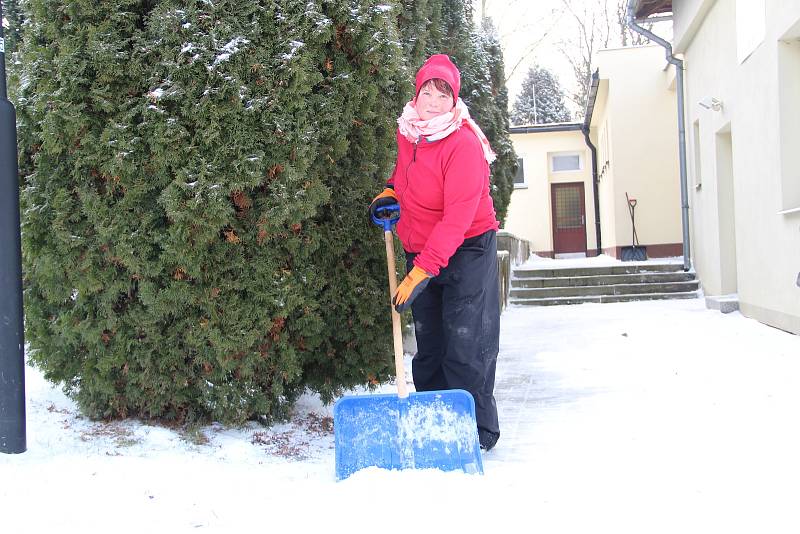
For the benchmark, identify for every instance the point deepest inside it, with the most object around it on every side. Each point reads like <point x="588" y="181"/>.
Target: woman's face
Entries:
<point x="431" y="102"/>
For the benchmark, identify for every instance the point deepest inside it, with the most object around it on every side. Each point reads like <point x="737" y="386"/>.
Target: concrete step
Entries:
<point x="555" y="301"/>
<point x="528" y="272"/>
<point x="599" y="280"/>
<point x="611" y="283"/>
<point x="616" y="289"/>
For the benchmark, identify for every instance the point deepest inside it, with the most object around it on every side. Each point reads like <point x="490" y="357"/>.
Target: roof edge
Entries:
<point x="552" y="127"/>
<point x="592" y="98"/>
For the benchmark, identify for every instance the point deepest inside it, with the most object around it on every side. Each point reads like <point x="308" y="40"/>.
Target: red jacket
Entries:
<point x="443" y="189"/>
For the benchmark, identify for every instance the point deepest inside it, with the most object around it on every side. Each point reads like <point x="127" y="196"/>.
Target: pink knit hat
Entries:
<point x="439" y="66"/>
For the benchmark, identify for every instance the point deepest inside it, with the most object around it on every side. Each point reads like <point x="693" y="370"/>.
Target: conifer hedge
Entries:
<point x="195" y="177"/>
<point x="496" y="123"/>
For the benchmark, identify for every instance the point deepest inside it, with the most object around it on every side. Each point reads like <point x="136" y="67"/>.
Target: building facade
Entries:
<point x="571" y="193"/>
<point x="552" y="203"/>
<point x="631" y="116"/>
<point x="742" y="113"/>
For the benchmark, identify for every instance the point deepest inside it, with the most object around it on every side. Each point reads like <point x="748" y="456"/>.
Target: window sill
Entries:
<point x="520" y="186"/>
<point x="789" y="211"/>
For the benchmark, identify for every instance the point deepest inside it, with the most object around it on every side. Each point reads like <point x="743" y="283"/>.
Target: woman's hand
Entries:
<point x="410" y="288"/>
<point x="386" y="199"/>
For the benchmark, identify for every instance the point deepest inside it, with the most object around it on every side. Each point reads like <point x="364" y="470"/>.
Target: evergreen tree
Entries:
<point x="479" y="58"/>
<point x="362" y="92"/>
<point x="541" y="99"/>
<point x="497" y="121"/>
<point x="453" y="34"/>
<point x="12" y="34"/>
<point x="195" y="176"/>
<point x="416" y="20"/>
<point x="14" y="17"/>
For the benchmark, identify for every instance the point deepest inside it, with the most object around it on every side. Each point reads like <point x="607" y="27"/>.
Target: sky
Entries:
<point x="530" y="32"/>
<point x="654" y="417"/>
<point x="537" y="31"/>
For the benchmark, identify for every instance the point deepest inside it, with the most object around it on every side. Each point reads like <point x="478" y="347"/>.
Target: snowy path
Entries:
<point x="632" y="417"/>
<point x="652" y="416"/>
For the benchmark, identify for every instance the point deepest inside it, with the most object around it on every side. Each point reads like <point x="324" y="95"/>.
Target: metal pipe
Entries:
<point x="687" y="264"/>
<point x="595" y="189"/>
<point x="586" y="128"/>
<point x="12" y="340"/>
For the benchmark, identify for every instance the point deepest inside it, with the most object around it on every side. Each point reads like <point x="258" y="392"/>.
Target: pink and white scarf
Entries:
<point x="412" y="126"/>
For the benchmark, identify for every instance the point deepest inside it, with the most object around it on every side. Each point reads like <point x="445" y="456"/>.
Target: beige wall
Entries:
<point x="744" y="159"/>
<point x="635" y="130"/>
<point x="529" y="213"/>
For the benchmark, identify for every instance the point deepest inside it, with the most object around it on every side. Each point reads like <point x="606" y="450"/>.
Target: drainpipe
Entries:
<point x="595" y="187"/>
<point x="585" y="128"/>
<point x="687" y="264"/>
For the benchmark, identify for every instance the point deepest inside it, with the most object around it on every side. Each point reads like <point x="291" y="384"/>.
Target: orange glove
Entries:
<point x="410" y="288"/>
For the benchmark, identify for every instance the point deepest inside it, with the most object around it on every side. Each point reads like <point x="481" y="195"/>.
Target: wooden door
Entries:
<point x="569" y="218"/>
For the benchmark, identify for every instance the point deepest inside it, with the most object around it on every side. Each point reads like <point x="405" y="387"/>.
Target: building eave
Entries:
<point x="644" y="8"/>
<point x="590" y="101"/>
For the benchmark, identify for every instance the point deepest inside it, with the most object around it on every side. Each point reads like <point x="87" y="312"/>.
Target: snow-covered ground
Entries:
<point x="633" y="417"/>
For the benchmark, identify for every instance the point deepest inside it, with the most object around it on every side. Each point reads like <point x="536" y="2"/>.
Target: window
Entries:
<point x="604" y="158"/>
<point x="698" y="163"/>
<point x="789" y="119"/>
<point x="565" y="162"/>
<point x="750" y="27"/>
<point x="519" y="178"/>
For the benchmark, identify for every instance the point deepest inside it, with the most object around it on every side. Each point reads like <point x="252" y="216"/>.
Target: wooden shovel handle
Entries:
<point x="397" y="331"/>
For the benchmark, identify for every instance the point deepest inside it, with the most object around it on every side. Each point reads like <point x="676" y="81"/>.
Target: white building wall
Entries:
<point x="636" y="108"/>
<point x="743" y="156"/>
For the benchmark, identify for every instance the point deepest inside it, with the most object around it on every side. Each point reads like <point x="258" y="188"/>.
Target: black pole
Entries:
<point x="12" y="339"/>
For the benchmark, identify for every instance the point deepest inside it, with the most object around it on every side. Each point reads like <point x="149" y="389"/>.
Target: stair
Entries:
<point x="616" y="283"/>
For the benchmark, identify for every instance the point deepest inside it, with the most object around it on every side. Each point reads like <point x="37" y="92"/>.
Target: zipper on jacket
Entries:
<point x="413" y="158"/>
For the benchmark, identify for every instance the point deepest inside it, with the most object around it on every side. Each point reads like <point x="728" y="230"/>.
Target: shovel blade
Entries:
<point x="431" y="429"/>
<point x="633" y="254"/>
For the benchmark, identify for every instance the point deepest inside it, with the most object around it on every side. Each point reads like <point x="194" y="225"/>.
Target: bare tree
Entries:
<point x="597" y="26"/>
<point x="538" y="28"/>
<point x="529" y="50"/>
<point x="628" y="37"/>
<point x="591" y="34"/>
<point x="527" y="27"/>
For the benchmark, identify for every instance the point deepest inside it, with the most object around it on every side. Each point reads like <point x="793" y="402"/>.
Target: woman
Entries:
<point x="448" y="230"/>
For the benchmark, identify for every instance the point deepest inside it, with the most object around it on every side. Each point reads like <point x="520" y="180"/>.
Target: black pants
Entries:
<point x="457" y="325"/>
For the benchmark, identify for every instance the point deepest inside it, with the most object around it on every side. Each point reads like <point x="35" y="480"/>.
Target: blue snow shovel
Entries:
<point x="432" y="429"/>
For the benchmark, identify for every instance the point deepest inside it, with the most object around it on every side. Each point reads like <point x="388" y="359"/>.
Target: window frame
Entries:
<point x="524" y="183"/>
<point x="788" y="130"/>
<point x="554" y="155"/>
